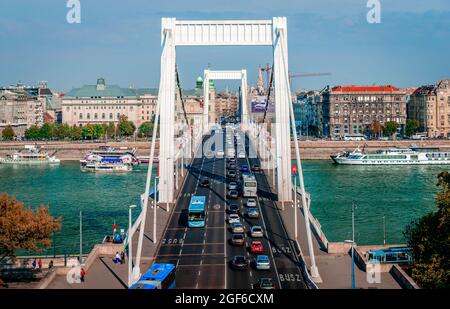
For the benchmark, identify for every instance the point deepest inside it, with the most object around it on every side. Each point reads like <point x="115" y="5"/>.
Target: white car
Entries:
<point x="257" y="231"/>
<point x="241" y="155"/>
<point x="251" y="202"/>
<point x="233" y="218"/>
<point x="220" y="153"/>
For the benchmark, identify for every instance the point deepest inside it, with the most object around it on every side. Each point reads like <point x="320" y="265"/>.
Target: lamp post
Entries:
<point x="130" y="245"/>
<point x="384" y="230"/>
<point x="353" y="245"/>
<point x="155" y="202"/>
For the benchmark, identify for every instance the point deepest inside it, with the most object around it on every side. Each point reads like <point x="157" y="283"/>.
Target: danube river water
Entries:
<point x="400" y="193"/>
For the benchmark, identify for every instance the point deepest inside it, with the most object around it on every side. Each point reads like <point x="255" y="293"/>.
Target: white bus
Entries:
<point x="354" y="137"/>
<point x="249" y="185"/>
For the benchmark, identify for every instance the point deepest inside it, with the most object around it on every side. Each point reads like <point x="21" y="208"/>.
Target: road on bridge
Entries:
<point x="202" y="255"/>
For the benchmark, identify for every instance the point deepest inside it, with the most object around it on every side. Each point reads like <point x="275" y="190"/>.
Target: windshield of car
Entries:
<point x="238" y="236"/>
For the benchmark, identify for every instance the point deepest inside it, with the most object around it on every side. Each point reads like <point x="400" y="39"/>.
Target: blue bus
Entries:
<point x="197" y="212"/>
<point x="398" y="255"/>
<point x="159" y="276"/>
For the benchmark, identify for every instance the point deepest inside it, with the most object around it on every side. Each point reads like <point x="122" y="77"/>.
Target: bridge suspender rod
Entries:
<point x="181" y="95"/>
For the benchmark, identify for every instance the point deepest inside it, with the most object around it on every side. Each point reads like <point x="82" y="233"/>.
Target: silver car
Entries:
<point x="237" y="227"/>
<point x="251" y="202"/>
<point x="256" y="231"/>
<point x="232" y="218"/>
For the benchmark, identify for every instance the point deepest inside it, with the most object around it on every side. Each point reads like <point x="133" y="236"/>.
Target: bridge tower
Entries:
<point x="224" y="33"/>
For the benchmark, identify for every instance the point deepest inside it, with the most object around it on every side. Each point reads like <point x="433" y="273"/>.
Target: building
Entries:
<point x="430" y="105"/>
<point x="308" y="113"/>
<point x="102" y="103"/>
<point x="226" y="104"/>
<point x="353" y="109"/>
<point x="21" y="108"/>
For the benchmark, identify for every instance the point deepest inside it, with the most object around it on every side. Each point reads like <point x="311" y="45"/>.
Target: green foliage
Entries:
<point x="93" y="131"/>
<point x="33" y="133"/>
<point x="430" y="239"/>
<point x="146" y="129"/>
<point x="46" y="131"/>
<point x="8" y="133"/>
<point x="126" y="128"/>
<point x="390" y="127"/>
<point x="75" y="132"/>
<point x="412" y="125"/>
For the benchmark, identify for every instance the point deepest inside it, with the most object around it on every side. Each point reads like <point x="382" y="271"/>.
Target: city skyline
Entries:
<point x="122" y="43"/>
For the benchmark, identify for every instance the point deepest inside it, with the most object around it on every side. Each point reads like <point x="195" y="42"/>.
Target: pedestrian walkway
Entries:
<point x="334" y="269"/>
<point x="105" y="274"/>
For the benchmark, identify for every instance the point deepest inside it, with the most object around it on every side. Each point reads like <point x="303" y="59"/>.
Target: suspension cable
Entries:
<point x="181" y="96"/>
<point x="267" y="100"/>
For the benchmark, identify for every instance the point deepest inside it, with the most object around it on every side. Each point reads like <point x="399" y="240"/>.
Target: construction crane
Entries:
<point x="268" y="69"/>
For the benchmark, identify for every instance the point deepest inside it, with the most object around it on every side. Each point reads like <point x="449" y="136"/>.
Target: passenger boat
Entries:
<point x="393" y="156"/>
<point x="124" y="153"/>
<point x="31" y="155"/>
<point x="109" y="167"/>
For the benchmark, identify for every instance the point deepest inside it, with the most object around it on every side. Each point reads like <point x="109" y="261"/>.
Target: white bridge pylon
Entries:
<point x="223" y="33"/>
<point x="225" y="75"/>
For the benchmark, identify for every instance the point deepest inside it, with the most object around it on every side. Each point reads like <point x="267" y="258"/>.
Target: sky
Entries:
<point x="120" y="41"/>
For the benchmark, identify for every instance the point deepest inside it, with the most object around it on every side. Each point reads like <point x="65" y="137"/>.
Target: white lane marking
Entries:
<point x="265" y="228"/>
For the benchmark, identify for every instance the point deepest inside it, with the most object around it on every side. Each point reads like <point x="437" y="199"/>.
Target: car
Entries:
<point x="233" y="185"/>
<point x="253" y="213"/>
<point x="244" y="169"/>
<point x="233" y="218"/>
<point x="239" y="262"/>
<point x="265" y="284"/>
<point x="231" y="166"/>
<point x="204" y="182"/>
<point x="251" y="202"/>
<point x="237" y="227"/>
<point x="256" y="247"/>
<point x="237" y="239"/>
<point x="241" y="155"/>
<point x="233" y="194"/>
<point x="234" y="209"/>
<point x="231" y="174"/>
<point x="256" y="168"/>
<point x="232" y="160"/>
<point x="262" y="262"/>
<point x="256" y="231"/>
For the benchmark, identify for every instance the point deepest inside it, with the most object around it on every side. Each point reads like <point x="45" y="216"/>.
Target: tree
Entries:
<point x="24" y="228"/>
<point x="411" y="127"/>
<point x="46" y="131"/>
<point x="430" y="239"/>
<point x="146" y="129"/>
<point x="375" y="128"/>
<point x="390" y="128"/>
<point x="33" y="133"/>
<point x="111" y="129"/>
<point x="8" y="133"/>
<point x="126" y="128"/>
<point x="75" y="133"/>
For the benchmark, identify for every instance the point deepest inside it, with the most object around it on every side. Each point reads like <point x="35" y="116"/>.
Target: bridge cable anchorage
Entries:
<point x="267" y="101"/>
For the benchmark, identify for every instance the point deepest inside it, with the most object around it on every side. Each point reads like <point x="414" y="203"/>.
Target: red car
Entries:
<point x="256" y="247"/>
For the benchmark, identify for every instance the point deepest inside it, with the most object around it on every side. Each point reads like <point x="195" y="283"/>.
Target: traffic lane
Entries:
<point x="265" y="242"/>
<point x="287" y="264"/>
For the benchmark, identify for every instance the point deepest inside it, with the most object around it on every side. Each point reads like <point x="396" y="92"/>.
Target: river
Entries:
<point x="400" y="193"/>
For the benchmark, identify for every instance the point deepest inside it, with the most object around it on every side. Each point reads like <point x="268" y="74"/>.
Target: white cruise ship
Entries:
<point x="32" y="155"/>
<point x="393" y="156"/>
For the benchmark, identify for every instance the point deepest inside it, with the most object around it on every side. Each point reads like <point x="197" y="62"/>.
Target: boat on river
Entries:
<point x="31" y="155"/>
<point x="394" y="156"/>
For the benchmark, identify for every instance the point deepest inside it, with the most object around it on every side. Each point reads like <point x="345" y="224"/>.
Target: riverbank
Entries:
<point x="309" y="150"/>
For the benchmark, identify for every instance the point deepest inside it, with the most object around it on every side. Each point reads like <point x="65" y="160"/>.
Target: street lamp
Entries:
<point x="352" y="241"/>
<point x="130" y="244"/>
<point x="154" y="209"/>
